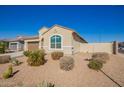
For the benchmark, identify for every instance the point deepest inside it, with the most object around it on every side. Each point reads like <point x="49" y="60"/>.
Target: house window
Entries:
<point x="55" y="42"/>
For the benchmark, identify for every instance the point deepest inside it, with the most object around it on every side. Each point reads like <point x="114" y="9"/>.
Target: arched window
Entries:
<point x="55" y="42"/>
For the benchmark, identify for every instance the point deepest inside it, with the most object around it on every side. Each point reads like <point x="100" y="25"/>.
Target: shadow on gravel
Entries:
<point x="111" y="78"/>
<point x="14" y="73"/>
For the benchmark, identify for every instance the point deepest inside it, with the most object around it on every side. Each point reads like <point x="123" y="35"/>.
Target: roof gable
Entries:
<point x="57" y="26"/>
<point x="73" y="32"/>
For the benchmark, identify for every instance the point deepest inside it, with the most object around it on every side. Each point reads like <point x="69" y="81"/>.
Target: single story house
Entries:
<point x="59" y="38"/>
<point x="16" y="44"/>
<point x="56" y="38"/>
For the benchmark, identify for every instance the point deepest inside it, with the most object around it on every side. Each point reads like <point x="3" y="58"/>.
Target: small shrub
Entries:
<point x="8" y="72"/>
<point x="15" y="62"/>
<point x="27" y="53"/>
<point x="66" y="63"/>
<point x="57" y="55"/>
<point x="101" y="57"/>
<point x="46" y="84"/>
<point x="95" y="64"/>
<point x="2" y="50"/>
<point x="36" y="58"/>
<point x="3" y="46"/>
<point x="4" y="59"/>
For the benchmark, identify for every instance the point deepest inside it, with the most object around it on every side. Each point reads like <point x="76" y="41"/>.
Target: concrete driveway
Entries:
<point x="15" y="54"/>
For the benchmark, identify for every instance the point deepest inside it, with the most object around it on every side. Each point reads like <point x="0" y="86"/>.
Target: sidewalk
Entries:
<point x="120" y="54"/>
<point x="15" y="54"/>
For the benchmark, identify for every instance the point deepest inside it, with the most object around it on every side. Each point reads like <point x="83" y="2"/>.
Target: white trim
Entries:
<point x="40" y="41"/>
<point x="67" y="46"/>
<point x="25" y="46"/>
<point x="18" y="44"/>
<point x="45" y="46"/>
<point x="13" y="42"/>
<point x="33" y="40"/>
<point x="63" y="46"/>
<point x="61" y="42"/>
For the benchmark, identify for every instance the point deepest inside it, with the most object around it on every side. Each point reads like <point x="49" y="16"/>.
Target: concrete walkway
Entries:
<point x="15" y="54"/>
<point x="120" y="54"/>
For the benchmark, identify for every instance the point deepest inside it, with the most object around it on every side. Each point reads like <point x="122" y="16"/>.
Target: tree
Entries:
<point x="3" y="46"/>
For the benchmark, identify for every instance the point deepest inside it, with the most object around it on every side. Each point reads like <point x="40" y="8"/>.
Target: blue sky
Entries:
<point x="93" y="23"/>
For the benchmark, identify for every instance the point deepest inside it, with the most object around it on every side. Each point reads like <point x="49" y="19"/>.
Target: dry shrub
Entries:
<point x="46" y="84"/>
<point x="36" y="58"/>
<point x="27" y="53"/>
<point x="101" y="56"/>
<point x="66" y="63"/>
<point x="57" y="55"/>
<point x="15" y="62"/>
<point x="4" y="59"/>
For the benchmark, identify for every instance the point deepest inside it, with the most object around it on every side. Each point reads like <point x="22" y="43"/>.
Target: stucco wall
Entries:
<point x="69" y="45"/>
<point x="66" y="39"/>
<point x="96" y="47"/>
<point x="76" y="46"/>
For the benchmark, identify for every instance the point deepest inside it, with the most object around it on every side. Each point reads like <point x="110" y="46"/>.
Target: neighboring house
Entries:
<point x="121" y="44"/>
<point x="56" y="38"/>
<point x="121" y="47"/>
<point x="16" y="44"/>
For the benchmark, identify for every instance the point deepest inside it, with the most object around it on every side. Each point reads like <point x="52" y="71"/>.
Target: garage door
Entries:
<point x="33" y="46"/>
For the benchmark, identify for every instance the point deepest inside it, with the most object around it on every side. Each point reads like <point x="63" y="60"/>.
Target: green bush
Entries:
<point x="3" y="46"/>
<point x="8" y="72"/>
<point x="66" y="63"/>
<point x="101" y="57"/>
<point x="15" y="62"/>
<point x="27" y="53"/>
<point x="46" y="84"/>
<point x="2" y="50"/>
<point x="57" y="55"/>
<point x="95" y="64"/>
<point x="36" y="58"/>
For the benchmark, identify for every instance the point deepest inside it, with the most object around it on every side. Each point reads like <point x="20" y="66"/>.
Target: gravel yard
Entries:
<point x="79" y="76"/>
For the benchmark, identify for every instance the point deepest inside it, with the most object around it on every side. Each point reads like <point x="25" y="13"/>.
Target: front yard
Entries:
<point x="79" y="76"/>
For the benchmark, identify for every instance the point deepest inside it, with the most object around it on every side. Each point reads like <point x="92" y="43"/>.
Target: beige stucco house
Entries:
<point x="56" y="38"/>
<point x="59" y="38"/>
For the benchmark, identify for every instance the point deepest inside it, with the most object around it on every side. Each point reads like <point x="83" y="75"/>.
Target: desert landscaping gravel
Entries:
<point x="79" y="76"/>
